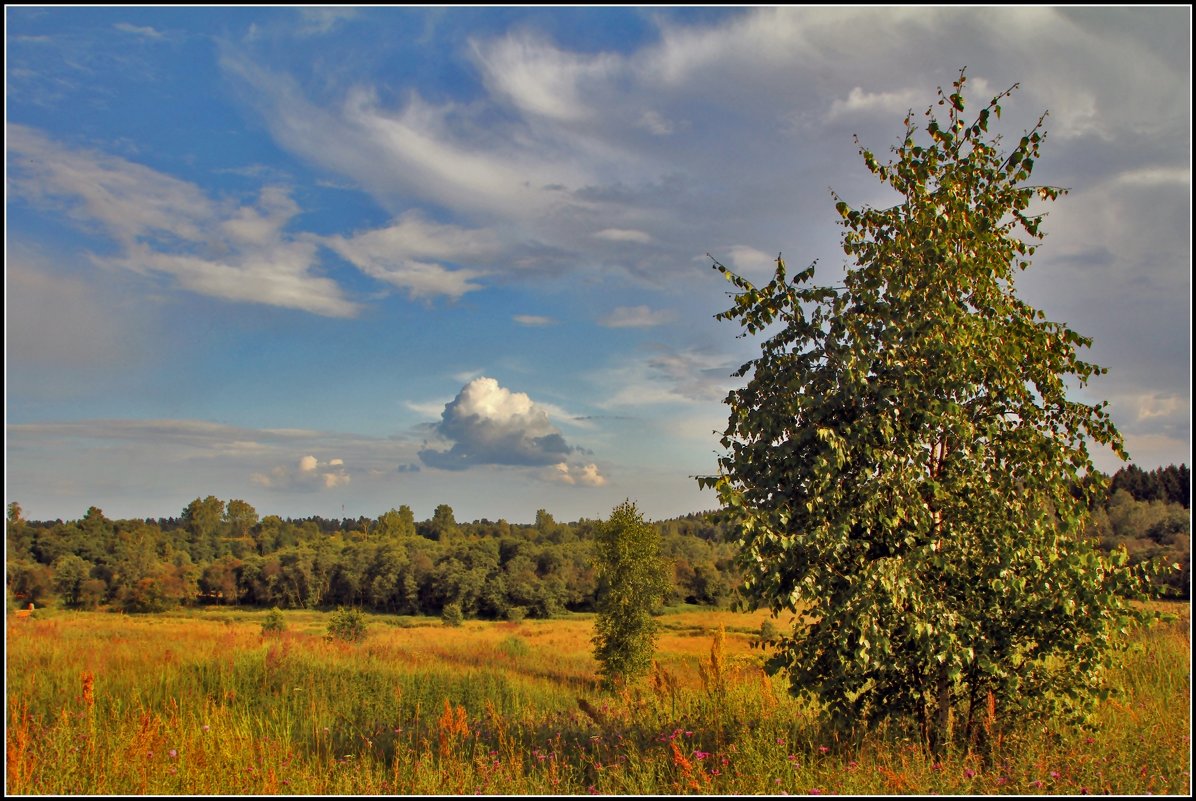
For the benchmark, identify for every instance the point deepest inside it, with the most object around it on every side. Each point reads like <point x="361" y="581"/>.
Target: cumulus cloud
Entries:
<point x="581" y="475"/>
<point x="309" y="473"/>
<point x="489" y="424"/>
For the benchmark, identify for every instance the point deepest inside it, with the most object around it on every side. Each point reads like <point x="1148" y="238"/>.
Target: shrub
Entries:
<point x="347" y="625"/>
<point x="274" y="622"/>
<point x="452" y="614"/>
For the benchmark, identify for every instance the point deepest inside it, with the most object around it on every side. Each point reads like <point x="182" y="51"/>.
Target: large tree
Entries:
<point x="902" y="461"/>
<point x="632" y="583"/>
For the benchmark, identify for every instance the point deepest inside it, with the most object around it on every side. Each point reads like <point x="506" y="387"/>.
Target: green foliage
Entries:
<point x="274" y="623"/>
<point x="452" y="614"/>
<point x="70" y="573"/>
<point x="627" y="556"/>
<point x="902" y="461"/>
<point x="240" y="517"/>
<point x="347" y="625"/>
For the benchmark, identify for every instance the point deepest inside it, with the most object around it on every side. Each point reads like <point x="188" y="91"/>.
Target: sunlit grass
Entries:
<point x="204" y="703"/>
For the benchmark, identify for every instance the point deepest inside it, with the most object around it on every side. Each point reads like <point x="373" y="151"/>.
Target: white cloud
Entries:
<point x="624" y="235"/>
<point x="582" y="475"/>
<point x="637" y="317"/>
<point x="409" y="254"/>
<point x="860" y="101"/>
<point x="533" y="320"/>
<point x="1156" y="176"/>
<point x="489" y="424"/>
<point x="138" y="30"/>
<point x="748" y="261"/>
<point x="310" y="474"/>
<point x="1155" y="406"/>
<point x="541" y="79"/>
<point x="171" y="227"/>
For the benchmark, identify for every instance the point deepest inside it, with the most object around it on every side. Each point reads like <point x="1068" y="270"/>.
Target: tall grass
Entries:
<point x="207" y="703"/>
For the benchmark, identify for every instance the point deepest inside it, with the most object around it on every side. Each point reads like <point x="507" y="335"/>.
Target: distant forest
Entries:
<point x="223" y="553"/>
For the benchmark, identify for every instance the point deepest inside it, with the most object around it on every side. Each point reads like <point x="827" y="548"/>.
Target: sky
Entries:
<point x="332" y="261"/>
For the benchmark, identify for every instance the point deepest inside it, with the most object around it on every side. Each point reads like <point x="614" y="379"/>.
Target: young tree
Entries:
<point x="902" y="459"/>
<point x="632" y="582"/>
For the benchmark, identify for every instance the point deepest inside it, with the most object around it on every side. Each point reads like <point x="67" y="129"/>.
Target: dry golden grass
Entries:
<point x="203" y="703"/>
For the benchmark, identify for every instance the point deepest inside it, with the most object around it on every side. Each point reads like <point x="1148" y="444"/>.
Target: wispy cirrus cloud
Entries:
<point x="235" y="251"/>
<point x="534" y="320"/>
<point x="637" y="317"/>
<point x="410" y="254"/>
<point x="144" y="31"/>
<point x="171" y="227"/>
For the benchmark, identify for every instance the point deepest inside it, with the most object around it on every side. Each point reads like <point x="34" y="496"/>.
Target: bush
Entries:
<point x="347" y="625"/>
<point x="274" y="622"/>
<point x="516" y="614"/>
<point x="452" y="615"/>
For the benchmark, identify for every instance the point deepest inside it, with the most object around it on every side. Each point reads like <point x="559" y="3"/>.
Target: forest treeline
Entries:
<point x="223" y="553"/>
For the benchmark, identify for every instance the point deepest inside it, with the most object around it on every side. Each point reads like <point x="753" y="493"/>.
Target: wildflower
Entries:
<point x="174" y="754"/>
<point x="1054" y="774"/>
<point x="822" y="749"/>
<point x="205" y="727"/>
<point x="780" y="741"/>
<point x="815" y="791"/>
<point x="88" y="688"/>
<point x="852" y="765"/>
<point x="1001" y="780"/>
<point x="1037" y="783"/>
<point x="969" y="772"/>
<point x="701" y="754"/>
<point x="592" y="790"/>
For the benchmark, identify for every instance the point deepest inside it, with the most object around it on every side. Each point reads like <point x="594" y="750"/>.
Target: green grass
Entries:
<point x="202" y="703"/>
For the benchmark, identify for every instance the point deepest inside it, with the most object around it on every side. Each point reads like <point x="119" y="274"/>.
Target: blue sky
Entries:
<point x="334" y="261"/>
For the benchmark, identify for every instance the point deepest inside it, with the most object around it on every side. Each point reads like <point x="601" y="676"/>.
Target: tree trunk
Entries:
<point x="941" y="733"/>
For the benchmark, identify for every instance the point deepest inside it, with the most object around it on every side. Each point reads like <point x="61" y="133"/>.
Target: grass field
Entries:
<point x="203" y="703"/>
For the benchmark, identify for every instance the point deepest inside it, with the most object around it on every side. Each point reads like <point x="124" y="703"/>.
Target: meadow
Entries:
<point x="203" y="702"/>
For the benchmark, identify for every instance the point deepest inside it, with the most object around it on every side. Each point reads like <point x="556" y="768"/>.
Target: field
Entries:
<point x="203" y="703"/>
